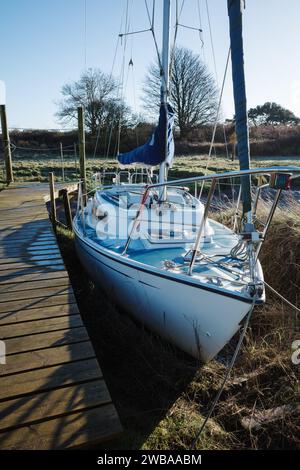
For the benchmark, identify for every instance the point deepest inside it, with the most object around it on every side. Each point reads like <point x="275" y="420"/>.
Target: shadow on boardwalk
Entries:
<point x="53" y="393"/>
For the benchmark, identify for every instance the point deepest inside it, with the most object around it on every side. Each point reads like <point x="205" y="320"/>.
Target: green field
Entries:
<point x="37" y="169"/>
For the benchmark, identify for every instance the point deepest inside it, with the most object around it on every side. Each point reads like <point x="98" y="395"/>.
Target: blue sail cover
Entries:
<point x="153" y="152"/>
<point x="239" y="91"/>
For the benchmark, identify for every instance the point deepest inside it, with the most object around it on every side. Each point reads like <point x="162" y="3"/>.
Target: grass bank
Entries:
<point x="37" y="169"/>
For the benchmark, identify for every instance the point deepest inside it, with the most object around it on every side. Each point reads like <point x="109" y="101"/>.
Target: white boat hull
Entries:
<point x="198" y="320"/>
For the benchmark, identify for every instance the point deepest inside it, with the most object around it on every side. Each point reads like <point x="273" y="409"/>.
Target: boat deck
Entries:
<point x="52" y="391"/>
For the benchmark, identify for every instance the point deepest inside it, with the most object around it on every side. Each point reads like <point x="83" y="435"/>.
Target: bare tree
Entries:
<point x="97" y="93"/>
<point x="193" y="92"/>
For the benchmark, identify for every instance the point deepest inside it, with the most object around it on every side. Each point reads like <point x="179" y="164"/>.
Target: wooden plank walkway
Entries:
<point x="52" y="391"/>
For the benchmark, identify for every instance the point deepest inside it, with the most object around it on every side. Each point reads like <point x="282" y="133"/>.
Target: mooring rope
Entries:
<point x="233" y="359"/>
<point x="281" y="297"/>
<point x="228" y="371"/>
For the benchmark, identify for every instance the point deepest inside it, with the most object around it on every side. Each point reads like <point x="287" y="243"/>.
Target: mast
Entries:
<point x="165" y="77"/>
<point x="240" y="101"/>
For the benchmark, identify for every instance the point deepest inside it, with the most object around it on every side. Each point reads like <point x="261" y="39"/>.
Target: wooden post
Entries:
<point x="68" y="214"/>
<point x="81" y="140"/>
<point x="62" y="162"/>
<point x="52" y="201"/>
<point x="6" y="145"/>
<point x="75" y="157"/>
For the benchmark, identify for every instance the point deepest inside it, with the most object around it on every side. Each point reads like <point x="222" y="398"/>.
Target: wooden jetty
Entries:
<point x="52" y="391"/>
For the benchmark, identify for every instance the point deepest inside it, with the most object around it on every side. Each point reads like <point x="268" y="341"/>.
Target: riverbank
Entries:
<point x="37" y="168"/>
<point x="265" y="140"/>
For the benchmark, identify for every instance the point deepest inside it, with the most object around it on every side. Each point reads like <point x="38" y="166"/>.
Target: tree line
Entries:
<point x="265" y="140"/>
<point x="111" y="125"/>
<point x="193" y="94"/>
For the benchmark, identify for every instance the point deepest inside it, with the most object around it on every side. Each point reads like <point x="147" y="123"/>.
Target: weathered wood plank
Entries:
<point x="36" y="284"/>
<point x="29" y="294"/>
<point x="22" y="265"/>
<point x="17" y="273"/>
<point x="18" y="236"/>
<point x="32" y="240"/>
<point x="38" y="314"/>
<point x="45" y="340"/>
<point x="49" y="378"/>
<point x="40" y="224"/>
<point x="32" y="228"/>
<point x="39" y="302"/>
<point x="26" y="361"/>
<point x="28" y="252"/>
<point x="40" y="326"/>
<point x="62" y="281"/>
<point x="22" y="245"/>
<point x="14" y="251"/>
<point x="73" y="430"/>
<point x="53" y="403"/>
<point x="23" y="218"/>
<point x="31" y="259"/>
<point x="24" y="232"/>
<point x="52" y="392"/>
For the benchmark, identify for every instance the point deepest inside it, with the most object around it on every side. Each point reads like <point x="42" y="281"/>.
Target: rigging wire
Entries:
<point x="151" y="22"/>
<point x="212" y="148"/>
<point x="211" y="40"/>
<point x="119" y="42"/>
<point x="178" y="16"/>
<point x="122" y="74"/>
<point x="216" y="120"/>
<point x="151" y="18"/>
<point x="110" y="78"/>
<point x="200" y="29"/>
<point x="85" y="33"/>
<point x="131" y="70"/>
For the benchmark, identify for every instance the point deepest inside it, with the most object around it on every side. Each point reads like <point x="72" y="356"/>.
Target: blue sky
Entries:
<point x="43" y="47"/>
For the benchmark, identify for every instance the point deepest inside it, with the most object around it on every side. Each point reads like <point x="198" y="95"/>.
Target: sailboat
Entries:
<point x="152" y="245"/>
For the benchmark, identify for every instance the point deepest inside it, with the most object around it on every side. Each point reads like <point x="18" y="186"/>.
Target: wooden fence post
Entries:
<point x="81" y="139"/>
<point x="75" y="158"/>
<point x="62" y="162"/>
<point x="52" y="201"/>
<point x="68" y="214"/>
<point x="6" y="145"/>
